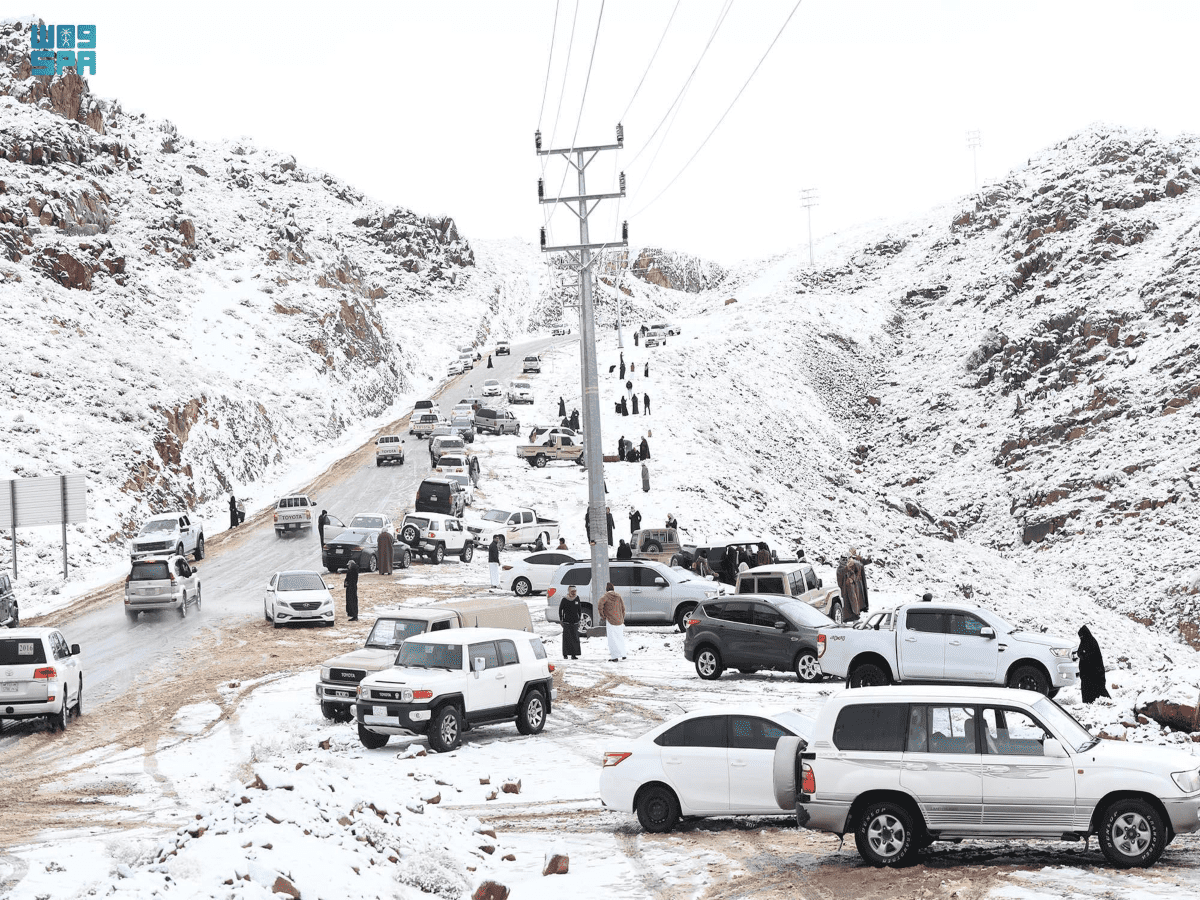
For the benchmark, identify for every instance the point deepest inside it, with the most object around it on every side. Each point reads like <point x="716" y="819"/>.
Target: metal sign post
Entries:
<point x="53" y="500"/>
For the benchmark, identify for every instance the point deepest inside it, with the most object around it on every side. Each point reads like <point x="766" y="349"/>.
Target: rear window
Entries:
<point x="149" y="571"/>
<point x="539" y="651"/>
<point x="421" y="523"/>
<point x="770" y="584"/>
<point x="310" y="581"/>
<point x="366" y="522"/>
<point x="879" y="727"/>
<point x="706" y="731"/>
<point x="21" y="652"/>
<point x="578" y="575"/>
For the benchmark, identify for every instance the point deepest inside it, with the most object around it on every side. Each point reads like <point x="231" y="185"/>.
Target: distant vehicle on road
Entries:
<point x="666" y="328"/>
<point x="654" y="338"/>
<point x="42" y="676"/>
<point x="389" y="448"/>
<point x="433" y="536"/>
<point x="492" y="388"/>
<point x="455" y="367"/>
<point x="165" y="582"/>
<point x="424" y="424"/>
<point x="520" y="392"/>
<point x="298" y="596"/>
<point x="560" y="330"/>
<point x="496" y="421"/>
<point x="532" y="363"/>
<point x="359" y="542"/>
<point x="502" y="348"/>
<point x="440" y="495"/>
<point x="294" y="513"/>
<point x="169" y="533"/>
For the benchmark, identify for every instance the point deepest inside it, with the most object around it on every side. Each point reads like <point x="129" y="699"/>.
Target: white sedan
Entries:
<point x="532" y="574"/>
<point x="492" y="388"/>
<point x="706" y="763"/>
<point x="298" y="596"/>
<point x="455" y="367"/>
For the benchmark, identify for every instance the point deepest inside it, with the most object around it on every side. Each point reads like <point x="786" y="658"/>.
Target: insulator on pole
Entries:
<point x="543" y="238"/>
<point x="620" y="134"/>
<point x="625" y="230"/>
<point x="537" y="138"/>
<point x="541" y="188"/>
<point x="622" y="184"/>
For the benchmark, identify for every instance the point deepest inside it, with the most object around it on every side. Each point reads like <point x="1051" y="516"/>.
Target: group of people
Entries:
<point x="611" y="610"/>
<point x="627" y="452"/>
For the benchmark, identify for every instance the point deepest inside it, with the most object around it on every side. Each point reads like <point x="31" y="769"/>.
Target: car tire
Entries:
<point x="58" y="720"/>
<point x="335" y="712"/>
<point x="1132" y="834"/>
<point x="585" y="619"/>
<point x="266" y="613"/>
<point x="835" y="612"/>
<point x="405" y="559"/>
<point x="79" y="700"/>
<point x="869" y="675"/>
<point x="445" y="729"/>
<point x="131" y="615"/>
<point x="199" y="554"/>
<point x="183" y="608"/>
<point x="657" y="809"/>
<point x="439" y="553"/>
<point x="1029" y="678"/>
<point x="409" y="534"/>
<point x="468" y="552"/>
<point x="708" y="663"/>
<point x="179" y="549"/>
<point x="806" y="667"/>
<point x="683" y="614"/>
<point x="652" y="547"/>
<point x="372" y="563"/>
<point x="531" y="717"/>
<point x="371" y="740"/>
<point x="198" y="598"/>
<point x="539" y="461"/>
<point x="522" y="587"/>
<point x="886" y="835"/>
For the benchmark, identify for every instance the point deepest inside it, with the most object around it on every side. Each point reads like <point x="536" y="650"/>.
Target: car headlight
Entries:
<point x="324" y="673"/>
<point x="358" y="692"/>
<point x="1189" y="782"/>
<point x="406" y="696"/>
<point x="1062" y="652"/>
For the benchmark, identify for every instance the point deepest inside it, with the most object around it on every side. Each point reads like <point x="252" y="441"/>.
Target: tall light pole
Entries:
<point x="808" y="199"/>
<point x="974" y="142"/>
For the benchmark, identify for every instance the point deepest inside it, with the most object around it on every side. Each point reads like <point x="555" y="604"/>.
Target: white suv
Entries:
<point x="654" y="594"/>
<point x="169" y="533"/>
<point x="40" y="676"/>
<point x="165" y="583"/>
<point x="447" y="682"/>
<point x="519" y="392"/>
<point x="902" y="767"/>
<point x="433" y="536"/>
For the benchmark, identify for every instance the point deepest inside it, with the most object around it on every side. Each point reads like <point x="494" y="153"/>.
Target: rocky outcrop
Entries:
<point x="676" y="271"/>
<point x="66" y="94"/>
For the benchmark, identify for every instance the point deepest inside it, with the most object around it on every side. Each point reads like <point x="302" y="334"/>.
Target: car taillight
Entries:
<point x="308" y="514"/>
<point x="615" y="759"/>
<point x="431" y="534"/>
<point x="550" y="592"/>
<point x="506" y="568"/>
<point x="808" y="781"/>
<point x="551" y="665"/>
<point x="693" y="622"/>
<point x="422" y="695"/>
<point x="275" y="517"/>
<point x="46" y="673"/>
<point x="820" y="645"/>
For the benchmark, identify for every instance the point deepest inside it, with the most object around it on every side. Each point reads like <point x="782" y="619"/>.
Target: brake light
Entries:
<point x="551" y="665"/>
<point x="820" y="645"/>
<point x="693" y="622"/>
<point x="422" y="695"/>
<point x="275" y="517"/>
<point x="46" y="673"/>
<point x="550" y="592"/>
<point x="808" y="781"/>
<point x="506" y="568"/>
<point x="615" y="759"/>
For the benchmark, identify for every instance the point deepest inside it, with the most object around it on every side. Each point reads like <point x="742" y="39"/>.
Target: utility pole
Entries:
<point x="581" y="254"/>
<point x="974" y="142"/>
<point x="808" y="199"/>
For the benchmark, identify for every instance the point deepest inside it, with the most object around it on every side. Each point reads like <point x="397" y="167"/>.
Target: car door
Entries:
<point x="943" y="765"/>
<point x="655" y="597"/>
<point x="969" y="655"/>
<point x="695" y="760"/>
<point x="1024" y="789"/>
<point x="752" y="742"/>
<point x="270" y="598"/>
<point x="539" y="568"/>
<point x="486" y="686"/>
<point x="772" y="647"/>
<point x="923" y="645"/>
<point x="737" y="634"/>
<point x="68" y="666"/>
<point x="624" y="581"/>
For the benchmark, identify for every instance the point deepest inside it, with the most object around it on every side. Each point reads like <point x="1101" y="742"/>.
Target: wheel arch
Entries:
<point x="870" y="657"/>
<point x="908" y="801"/>
<point x="545" y="685"/>
<point x="1113" y="796"/>
<point x="637" y="795"/>
<point x="1029" y="661"/>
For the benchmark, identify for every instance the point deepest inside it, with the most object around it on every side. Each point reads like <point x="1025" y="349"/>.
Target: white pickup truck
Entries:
<point x="944" y="642"/>
<point x="515" y="527"/>
<point x="167" y="535"/>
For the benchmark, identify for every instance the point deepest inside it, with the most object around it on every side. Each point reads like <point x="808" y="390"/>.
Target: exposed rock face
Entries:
<point x="68" y="93"/>
<point x="676" y="271"/>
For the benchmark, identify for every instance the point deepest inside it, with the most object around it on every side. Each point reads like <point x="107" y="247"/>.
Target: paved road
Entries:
<point x="234" y="575"/>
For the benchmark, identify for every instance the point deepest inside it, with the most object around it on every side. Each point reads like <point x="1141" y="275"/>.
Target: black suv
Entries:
<point x="9" y="614"/>
<point x="751" y="632"/>
<point x="441" y="495"/>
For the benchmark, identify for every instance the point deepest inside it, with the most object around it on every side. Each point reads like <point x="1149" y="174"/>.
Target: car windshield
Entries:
<point x="1073" y="734"/>
<point x="301" y="581"/>
<point x="496" y="515"/>
<point x="491" y="382"/>
<point x="804" y="614"/>
<point x="389" y="634"/>
<point x="366" y="522"/>
<point x="159" y="526"/>
<point x="420" y="655"/>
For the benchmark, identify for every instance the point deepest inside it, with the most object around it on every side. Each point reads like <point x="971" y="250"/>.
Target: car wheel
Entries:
<point x="708" y="663"/>
<point x="409" y="535"/>
<point x="15" y="621"/>
<point x="439" y="553"/>
<point x="335" y="712"/>
<point x="266" y="612"/>
<point x="652" y="547"/>
<point x="835" y="612"/>
<point x="885" y="835"/>
<point x="179" y="549"/>
<point x="531" y="718"/>
<point x="58" y="720"/>
<point x="539" y="461"/>
<point x="522" y="587"/>
<point x="79" y="700"/>
<point x="372" y="563"/>
<point x="183" y="608"/>
<point x="585" y="620"/>
<point x="806" y="667"/>
<point x="869" y="675"/>
<point x="1132" y="834"/>
<point x="1029" y="678"/>
<point x="405" y="559"/>
<point x="683" y="614"/>
<point x="445" y="729"/>
<point x="198" y="601"/>
<point x="657" y="809"/>
<point x="468" y="551"/>
<point x="199" y="554"/>
<point x="371" y="740"/>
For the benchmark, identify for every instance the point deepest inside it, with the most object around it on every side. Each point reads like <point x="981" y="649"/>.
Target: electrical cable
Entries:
<point x="566" y="70"/>
<point x="649" y="64"/>
<point x="549" y="62"/>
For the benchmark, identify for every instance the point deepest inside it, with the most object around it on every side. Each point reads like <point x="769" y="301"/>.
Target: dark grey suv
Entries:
<point x="750" y="632"/>
<point x="9" y="614"/>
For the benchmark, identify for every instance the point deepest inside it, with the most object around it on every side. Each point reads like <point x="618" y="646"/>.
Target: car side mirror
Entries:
<point x="820" y="583"/>
<point x="270" y="587"/>
<point x="660" y="580"/>
<point x="478" y="664"/>
<point x="1052" y="749"/>
<point x="781" y="626"/>
<point x="74" y="649"/>
<point x="987" y="632"/>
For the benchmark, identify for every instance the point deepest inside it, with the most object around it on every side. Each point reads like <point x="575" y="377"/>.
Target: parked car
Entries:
<point x="464" y="427"/>
<point x="340" y="676"/>
<point x="715" y="551"/>
<point x="445" y="444"/>
<point x="653" y="593"/>
<point x="467" y="360"/>
<point x="560" y="330"/>
<point x="433" y="536"/>
<point x="543" y="432"/>
<point x="797" y="580"/>
<point x="532" y="363"/>
<point x="666" y="328"/>
<point x="496" y="421"/>
<point x="42" y="676"/>
<point x="440" y="495"/>
<point x="294" y="512"/>
<point x="492" y="388"/>
<point x="169" y="533"/>
<point x="455" y="367"/>
<point x="502" y="348"/>
<point x="556" y="447"/>
<point x="948" y="642"/>
<point x="751" y="632"/>
<point x="660" y="544"/>
<point x="516" y="527"/>
<point x="902" y="767"/>
<point x="389" y="448"/>
<point x="519" y="392"/>
<point x="445" y="683"/>
<point x="423" y="407"/>
<point x="423" y="425"/>
<point x="10" y="613"/>
<point x="703" y="763"/>
<point x="165" y="582"/>
<point x="654" y="338"/>
<point x="532" y="574"/>
<point x="298" y="596"/>
<point x="359" y="541"/>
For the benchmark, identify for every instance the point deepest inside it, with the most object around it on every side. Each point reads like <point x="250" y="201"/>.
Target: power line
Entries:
<point x="649" y="64"/>
<point x="549" y="62"/>
<point x="727" y="110"/>
<point x="566" y="69"/>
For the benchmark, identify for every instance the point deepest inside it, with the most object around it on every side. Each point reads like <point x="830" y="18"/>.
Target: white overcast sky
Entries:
<point x="433" y="105"/>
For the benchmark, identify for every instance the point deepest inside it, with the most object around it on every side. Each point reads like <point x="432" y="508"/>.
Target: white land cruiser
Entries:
<point x="170" y="533"/>
<point x="41" y="675"/>
<point x="449" y="682"/>
<point x="902" y="767"/>
<point x="294" y="513"/>
<point x="389" y="448"/>
<point x="432" y="536"/>
<point x="164" y="583"/>
<point x="519" y="392"/>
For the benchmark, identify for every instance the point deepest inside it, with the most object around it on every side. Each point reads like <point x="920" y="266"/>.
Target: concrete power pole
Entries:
<point x="808" y="199"/>
<point x="974" y="142"/>
<point x="581" y="254"/>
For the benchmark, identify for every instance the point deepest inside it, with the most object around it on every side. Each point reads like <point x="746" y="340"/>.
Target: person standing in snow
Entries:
<point x="575" y="420"/>
<point x="646" y="373"/>
<point x="489" y="361"/>
<point x="624" y="551"/>
<point x="635" y="338"/>
<point x="644" y="449"/>
<point x="562" y="408"/>
<point x="351" y="585"/>
<point x="852" y="583"/>
<point x="645" y="478"/>
<point x="729" y="566"/>
<point x="1091" y="667"/>
<point x="494" y="561"/>
<point x="646" y="403"/>
<point x="570" y="612"/>
<point x="624" y="407"/>
<point x="384" y="550"/>
<point x="322" y="521"/>
<point x="635" y="522"/>
<point x="612" y="611"/>
<point x="622" y="366"/>
<point x="621" y="448"/>
<point x="672" y="522"/>
<point x="233" y="512"/>
<point x="609" y="518"/>
<point x="635" y="405"/>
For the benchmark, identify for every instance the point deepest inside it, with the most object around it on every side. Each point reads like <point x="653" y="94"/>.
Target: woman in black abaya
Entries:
<point x="1091" y="667"/>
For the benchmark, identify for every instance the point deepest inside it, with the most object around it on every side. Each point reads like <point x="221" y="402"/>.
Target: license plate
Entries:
<point x="8" y="687"/>
<point x="147" y="592"/>
<point x="379" y="710"/>
<point x="381" y="720"/>
<point x="338" y="551"/>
